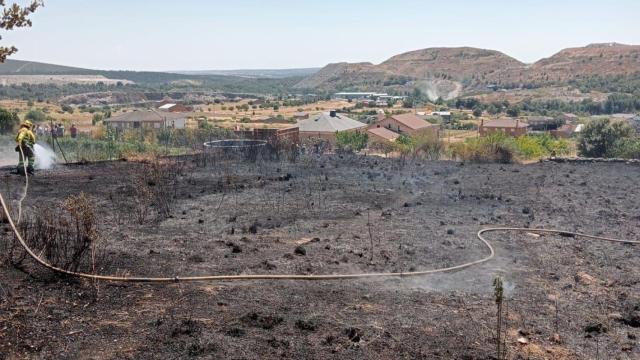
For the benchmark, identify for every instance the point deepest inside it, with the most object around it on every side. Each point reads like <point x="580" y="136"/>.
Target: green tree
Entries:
<point x="15" y="16"/>
<point x="477" y="111"/>
<point x="351" y="141"/>
<point x="513" y="111"/>
<point x="97" y="118"/>
<point x="36" y="116"/>
<point x="8" y="121"/>
<point x="69" y="109"/>
<point x="599" y="137"/>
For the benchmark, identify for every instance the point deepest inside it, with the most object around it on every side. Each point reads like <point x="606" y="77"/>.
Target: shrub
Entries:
<point x="349" y="141"/>
<point x="8" y="121"/>
<point x="36" y="116"/>
<point x="66" y="237"/>
<point x="599" y="137"/>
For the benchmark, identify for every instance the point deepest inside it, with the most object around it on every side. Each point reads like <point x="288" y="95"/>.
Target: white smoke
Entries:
<point x="45" y="157"/>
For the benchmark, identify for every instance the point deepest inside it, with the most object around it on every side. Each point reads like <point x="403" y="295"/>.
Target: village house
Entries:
<point x="407" y="124"/>
<point x="149" y="119"/>
<point x="544" y="123"/>
<point x="325" y="125"/>
<point x="513" y="127"/>
<point x="565" y="131"/>
<point x="381" y="135"/>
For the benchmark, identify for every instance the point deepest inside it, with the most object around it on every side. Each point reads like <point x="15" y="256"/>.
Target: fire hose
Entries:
<point x="248" y="277"/>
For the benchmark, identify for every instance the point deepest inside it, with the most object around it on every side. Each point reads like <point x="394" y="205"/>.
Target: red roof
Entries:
<point x="411" y="121"/>
<point x="505" y="123"/>
<point x="384" y="133"/>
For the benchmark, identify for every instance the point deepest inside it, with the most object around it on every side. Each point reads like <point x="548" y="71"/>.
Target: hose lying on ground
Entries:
<point x="296" y="277"/>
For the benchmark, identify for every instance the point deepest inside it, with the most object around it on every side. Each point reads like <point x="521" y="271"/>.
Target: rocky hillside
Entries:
<point x="472" y="68"/>
<point x="593" y="60"/>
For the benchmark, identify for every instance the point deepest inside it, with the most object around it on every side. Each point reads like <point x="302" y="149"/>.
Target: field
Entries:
<point x="565" y="298"/>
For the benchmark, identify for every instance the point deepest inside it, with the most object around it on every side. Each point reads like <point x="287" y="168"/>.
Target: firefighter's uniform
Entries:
<point x="25" y="140"/>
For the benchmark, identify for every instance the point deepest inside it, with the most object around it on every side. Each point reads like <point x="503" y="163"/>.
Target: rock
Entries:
<point x="450" y="232"/>
<point x="300" y="250"/>
<point x="526" y="210"/>
<point x="523" y="341"/>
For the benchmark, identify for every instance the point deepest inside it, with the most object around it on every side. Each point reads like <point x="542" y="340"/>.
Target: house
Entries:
<point x="174" y="108"/>
<point x="544" y="123"/>
<point x="149" y="119"/>
<point x="408" y="124"/>
<point x="565" y="131"/>
<point x="325" y="125"/>
<point x="381" y="134"/>
<point x="272" y="135"/>
<point x="513" y="127"/>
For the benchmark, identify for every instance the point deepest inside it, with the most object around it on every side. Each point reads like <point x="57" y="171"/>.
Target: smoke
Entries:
<point x="45" y="157"/>
<point x="439" y="88"/>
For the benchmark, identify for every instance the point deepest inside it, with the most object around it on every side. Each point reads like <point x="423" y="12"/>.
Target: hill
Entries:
<point x="447" y="69"/>
<point x="21" y="67"/>
<point x="255" y="73"/>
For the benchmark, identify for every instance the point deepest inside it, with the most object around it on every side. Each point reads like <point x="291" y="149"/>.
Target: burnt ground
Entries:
<point x="567" y="298"/>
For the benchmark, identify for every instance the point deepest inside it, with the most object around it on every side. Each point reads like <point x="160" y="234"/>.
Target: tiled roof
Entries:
<point x="384" y="133"/>
<point x="412" y="121"/>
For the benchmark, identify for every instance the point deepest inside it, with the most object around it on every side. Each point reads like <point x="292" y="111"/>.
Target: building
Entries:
<point x="148" y="119"/>
<point x="272" y="135"/>
<point x="381" y="134"/>
<point x="544" y="123"/>
<point x="358" y="95"/>
<point x="408" y="124"/>
<point x="170" y="107"/>
<point x="513" y="127"/>
<point x="325" y="125"/>
<point x="565" y="131"/>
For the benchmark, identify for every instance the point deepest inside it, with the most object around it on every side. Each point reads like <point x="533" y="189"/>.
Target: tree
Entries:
<point x="477" y="112"/>
<point x="97" y="118"/>
<point x="513" y="111"/>
<point x="15" y="16"/>
<point x="599" y="137"/>
<point x="8" y="121"/>
<point x="69" y="109"/>
<point x="36" y="116"/>
<point x="349" y="141"/>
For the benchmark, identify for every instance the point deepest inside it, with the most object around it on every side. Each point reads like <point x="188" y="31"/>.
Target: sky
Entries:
<point x="163" y="35"/>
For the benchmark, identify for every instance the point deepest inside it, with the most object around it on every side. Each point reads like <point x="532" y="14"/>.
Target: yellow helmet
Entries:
<point x="28" y="124"/>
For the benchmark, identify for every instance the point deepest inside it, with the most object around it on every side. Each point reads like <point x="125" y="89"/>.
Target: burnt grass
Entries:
<point x="567" y="298"/>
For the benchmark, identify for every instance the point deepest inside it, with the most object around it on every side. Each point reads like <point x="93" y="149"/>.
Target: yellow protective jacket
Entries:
<point x="25" y="137"/>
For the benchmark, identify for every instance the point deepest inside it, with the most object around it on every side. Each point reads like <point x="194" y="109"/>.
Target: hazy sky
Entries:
<point x="240" y="34"/>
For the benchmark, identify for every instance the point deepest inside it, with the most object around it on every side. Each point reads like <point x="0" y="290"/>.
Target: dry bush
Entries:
<point x="155" y="184"/>
<point x="66" y="237"/>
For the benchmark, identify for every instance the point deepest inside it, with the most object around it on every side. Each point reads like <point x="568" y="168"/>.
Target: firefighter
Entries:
<point x="25" y="140"/>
